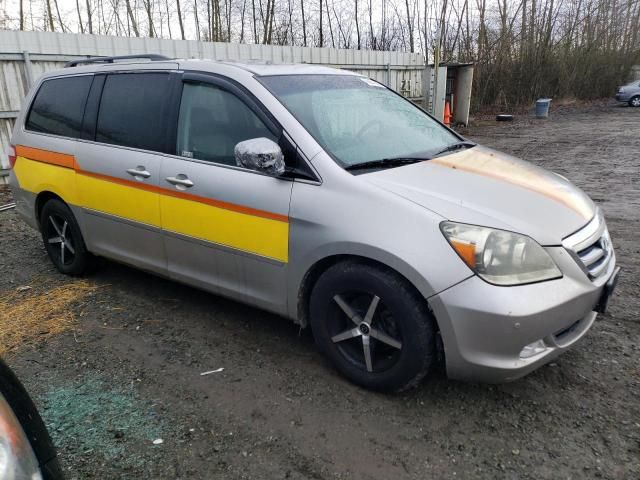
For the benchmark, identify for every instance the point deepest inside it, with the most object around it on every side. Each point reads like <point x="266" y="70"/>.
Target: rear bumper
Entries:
<point x="486" y="328"/>
<point x="25" y="202"/>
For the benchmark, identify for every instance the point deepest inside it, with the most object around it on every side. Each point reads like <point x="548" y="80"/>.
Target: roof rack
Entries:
<point x="149" y="56"/>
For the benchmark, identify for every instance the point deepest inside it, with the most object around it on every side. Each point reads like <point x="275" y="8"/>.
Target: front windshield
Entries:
<point x="358" y="120"/>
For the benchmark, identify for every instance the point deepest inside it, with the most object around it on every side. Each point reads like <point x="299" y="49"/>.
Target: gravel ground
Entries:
<point x="129" y="372"/>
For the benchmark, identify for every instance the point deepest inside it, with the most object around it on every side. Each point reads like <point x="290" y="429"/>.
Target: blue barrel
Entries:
<point x="542" y="107"/>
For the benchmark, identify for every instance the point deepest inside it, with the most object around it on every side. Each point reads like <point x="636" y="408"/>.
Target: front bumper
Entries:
<point x="485" y="328"/>
<point x="623" y="97"/>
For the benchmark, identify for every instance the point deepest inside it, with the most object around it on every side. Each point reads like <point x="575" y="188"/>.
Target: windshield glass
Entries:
<point x="357" y="120"/>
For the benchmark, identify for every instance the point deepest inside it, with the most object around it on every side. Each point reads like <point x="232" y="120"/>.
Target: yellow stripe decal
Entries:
<point x="259" y="235"/>
<point x="102" y="195"/>
<point x="244" y="228"/>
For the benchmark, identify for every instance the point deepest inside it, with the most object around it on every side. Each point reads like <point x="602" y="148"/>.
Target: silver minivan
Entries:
<point x="322" y="196"/>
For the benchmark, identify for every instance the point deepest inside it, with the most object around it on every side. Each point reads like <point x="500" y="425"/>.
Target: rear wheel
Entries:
<point x="62" y="238"/>
<point x="635" y="101"/>
<point x="373" y="326"/>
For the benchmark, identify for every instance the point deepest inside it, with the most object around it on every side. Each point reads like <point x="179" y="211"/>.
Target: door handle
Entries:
<point x="180" y="181"/>
<point x="139" y="171"/>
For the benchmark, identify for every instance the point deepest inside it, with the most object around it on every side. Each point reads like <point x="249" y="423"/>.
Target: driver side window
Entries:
<point x="212" y="121"/>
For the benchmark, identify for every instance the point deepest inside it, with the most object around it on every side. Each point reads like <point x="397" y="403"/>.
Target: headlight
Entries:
<point x="17" y="460"/>
<point x="498" y="256"/>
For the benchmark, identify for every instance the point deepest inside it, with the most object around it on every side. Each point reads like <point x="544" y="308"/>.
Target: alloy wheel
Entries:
<point x="365" y="331"/>
<point x="635" y="101"/>
<point x="60" y="237"/>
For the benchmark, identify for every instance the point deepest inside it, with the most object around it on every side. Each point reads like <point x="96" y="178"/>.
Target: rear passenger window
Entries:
<point x="133" y="110"/>
<point x="212" y="121"/>
<point x="59" y="106"/>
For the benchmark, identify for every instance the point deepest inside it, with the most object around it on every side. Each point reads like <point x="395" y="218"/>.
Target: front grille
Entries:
<point x="592" y="247"/>
<point x="596" y="257"/>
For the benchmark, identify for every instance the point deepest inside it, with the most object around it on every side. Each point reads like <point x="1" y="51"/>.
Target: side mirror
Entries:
<point x="260" y="154"/>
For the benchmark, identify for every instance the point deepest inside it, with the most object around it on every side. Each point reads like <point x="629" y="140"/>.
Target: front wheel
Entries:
<point x="373" y="326"/>
<point x="635" y="101"/>
<point x="62" y="239"/>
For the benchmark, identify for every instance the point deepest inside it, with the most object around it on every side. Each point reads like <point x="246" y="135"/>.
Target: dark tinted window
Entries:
<point x="212" y="121"/>
<point x="59" y="106"/>
<point x="133" y="110"/>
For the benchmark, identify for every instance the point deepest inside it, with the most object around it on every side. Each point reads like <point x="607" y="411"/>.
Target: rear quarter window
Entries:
<point x="59" y="106"/>
<point x="133" y="110"/>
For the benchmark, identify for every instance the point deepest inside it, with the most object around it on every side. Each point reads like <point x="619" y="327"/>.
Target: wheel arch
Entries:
<point x="313" y="273"/>
<point x="41" y="199"/>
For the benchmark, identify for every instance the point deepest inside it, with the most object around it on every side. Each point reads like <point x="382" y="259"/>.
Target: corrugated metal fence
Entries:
<point x="26" y="55"/>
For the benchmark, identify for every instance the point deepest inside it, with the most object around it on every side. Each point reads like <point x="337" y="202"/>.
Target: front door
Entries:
<point x="226" y="229"/>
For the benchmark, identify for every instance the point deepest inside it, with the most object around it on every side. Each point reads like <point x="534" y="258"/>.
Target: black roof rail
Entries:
<point x="145" y="56"/>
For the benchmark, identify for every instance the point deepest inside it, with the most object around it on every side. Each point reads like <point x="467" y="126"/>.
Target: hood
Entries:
<point x="484" y="187"/>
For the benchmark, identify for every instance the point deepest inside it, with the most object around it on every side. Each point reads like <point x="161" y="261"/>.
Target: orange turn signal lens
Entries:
<point x="467" y="252"/>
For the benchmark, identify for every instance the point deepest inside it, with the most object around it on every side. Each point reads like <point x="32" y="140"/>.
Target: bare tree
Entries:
<point x="273" y="7"/>
<point x="166" y="5"/>
<point x="242" y="14"/>
<point x="372" y="41"/>
<point x="357" y="25"/>
<point x="410" y="26"/>
<point x="304" y="24"/>
<point x="132" y="20"/>
<point x="21" y="15"/>
<point x="62" y="27"/>
<point x="180" y="22"/>
<point x="195" y="18"/>
<point x="80" y="22"/>
<point x="90" y="16"/>
<point x="321" y="44"/>
<point x="333" y="43"/>
<point x="50" y="16"/>
<point x="148" y="9"/>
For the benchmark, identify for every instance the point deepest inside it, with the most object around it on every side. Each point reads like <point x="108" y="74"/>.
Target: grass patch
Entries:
<point x="29" y="315"/>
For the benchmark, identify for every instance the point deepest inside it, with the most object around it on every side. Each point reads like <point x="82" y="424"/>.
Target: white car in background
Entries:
<point x="629" y="93"/>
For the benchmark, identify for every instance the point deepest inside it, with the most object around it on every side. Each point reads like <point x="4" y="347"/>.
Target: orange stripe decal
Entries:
<point x="68" y="161"/>
<point x="46" y="156"/>
<point x="226" y="205"/>
<point x="188" y="196"/>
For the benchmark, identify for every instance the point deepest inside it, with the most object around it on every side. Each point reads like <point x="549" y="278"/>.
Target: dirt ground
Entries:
<point x="125" y="367"/>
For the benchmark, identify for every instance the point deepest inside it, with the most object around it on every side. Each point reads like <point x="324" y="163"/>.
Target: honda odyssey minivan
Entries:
<point x="319" y="195"/>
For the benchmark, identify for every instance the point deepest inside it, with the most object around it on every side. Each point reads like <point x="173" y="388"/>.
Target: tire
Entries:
<point x="63" y="240"/>
<point x="401" y="316"/>
<point x="635" y="101"/>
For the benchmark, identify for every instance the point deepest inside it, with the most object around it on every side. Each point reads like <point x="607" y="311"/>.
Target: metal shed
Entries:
<point x="450" y="82"/>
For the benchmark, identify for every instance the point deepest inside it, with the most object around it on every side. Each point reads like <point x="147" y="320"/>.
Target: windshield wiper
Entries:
<point x="385" y="163"/>
<point x="398" y="161"/>
<point x="455" y="146"/>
